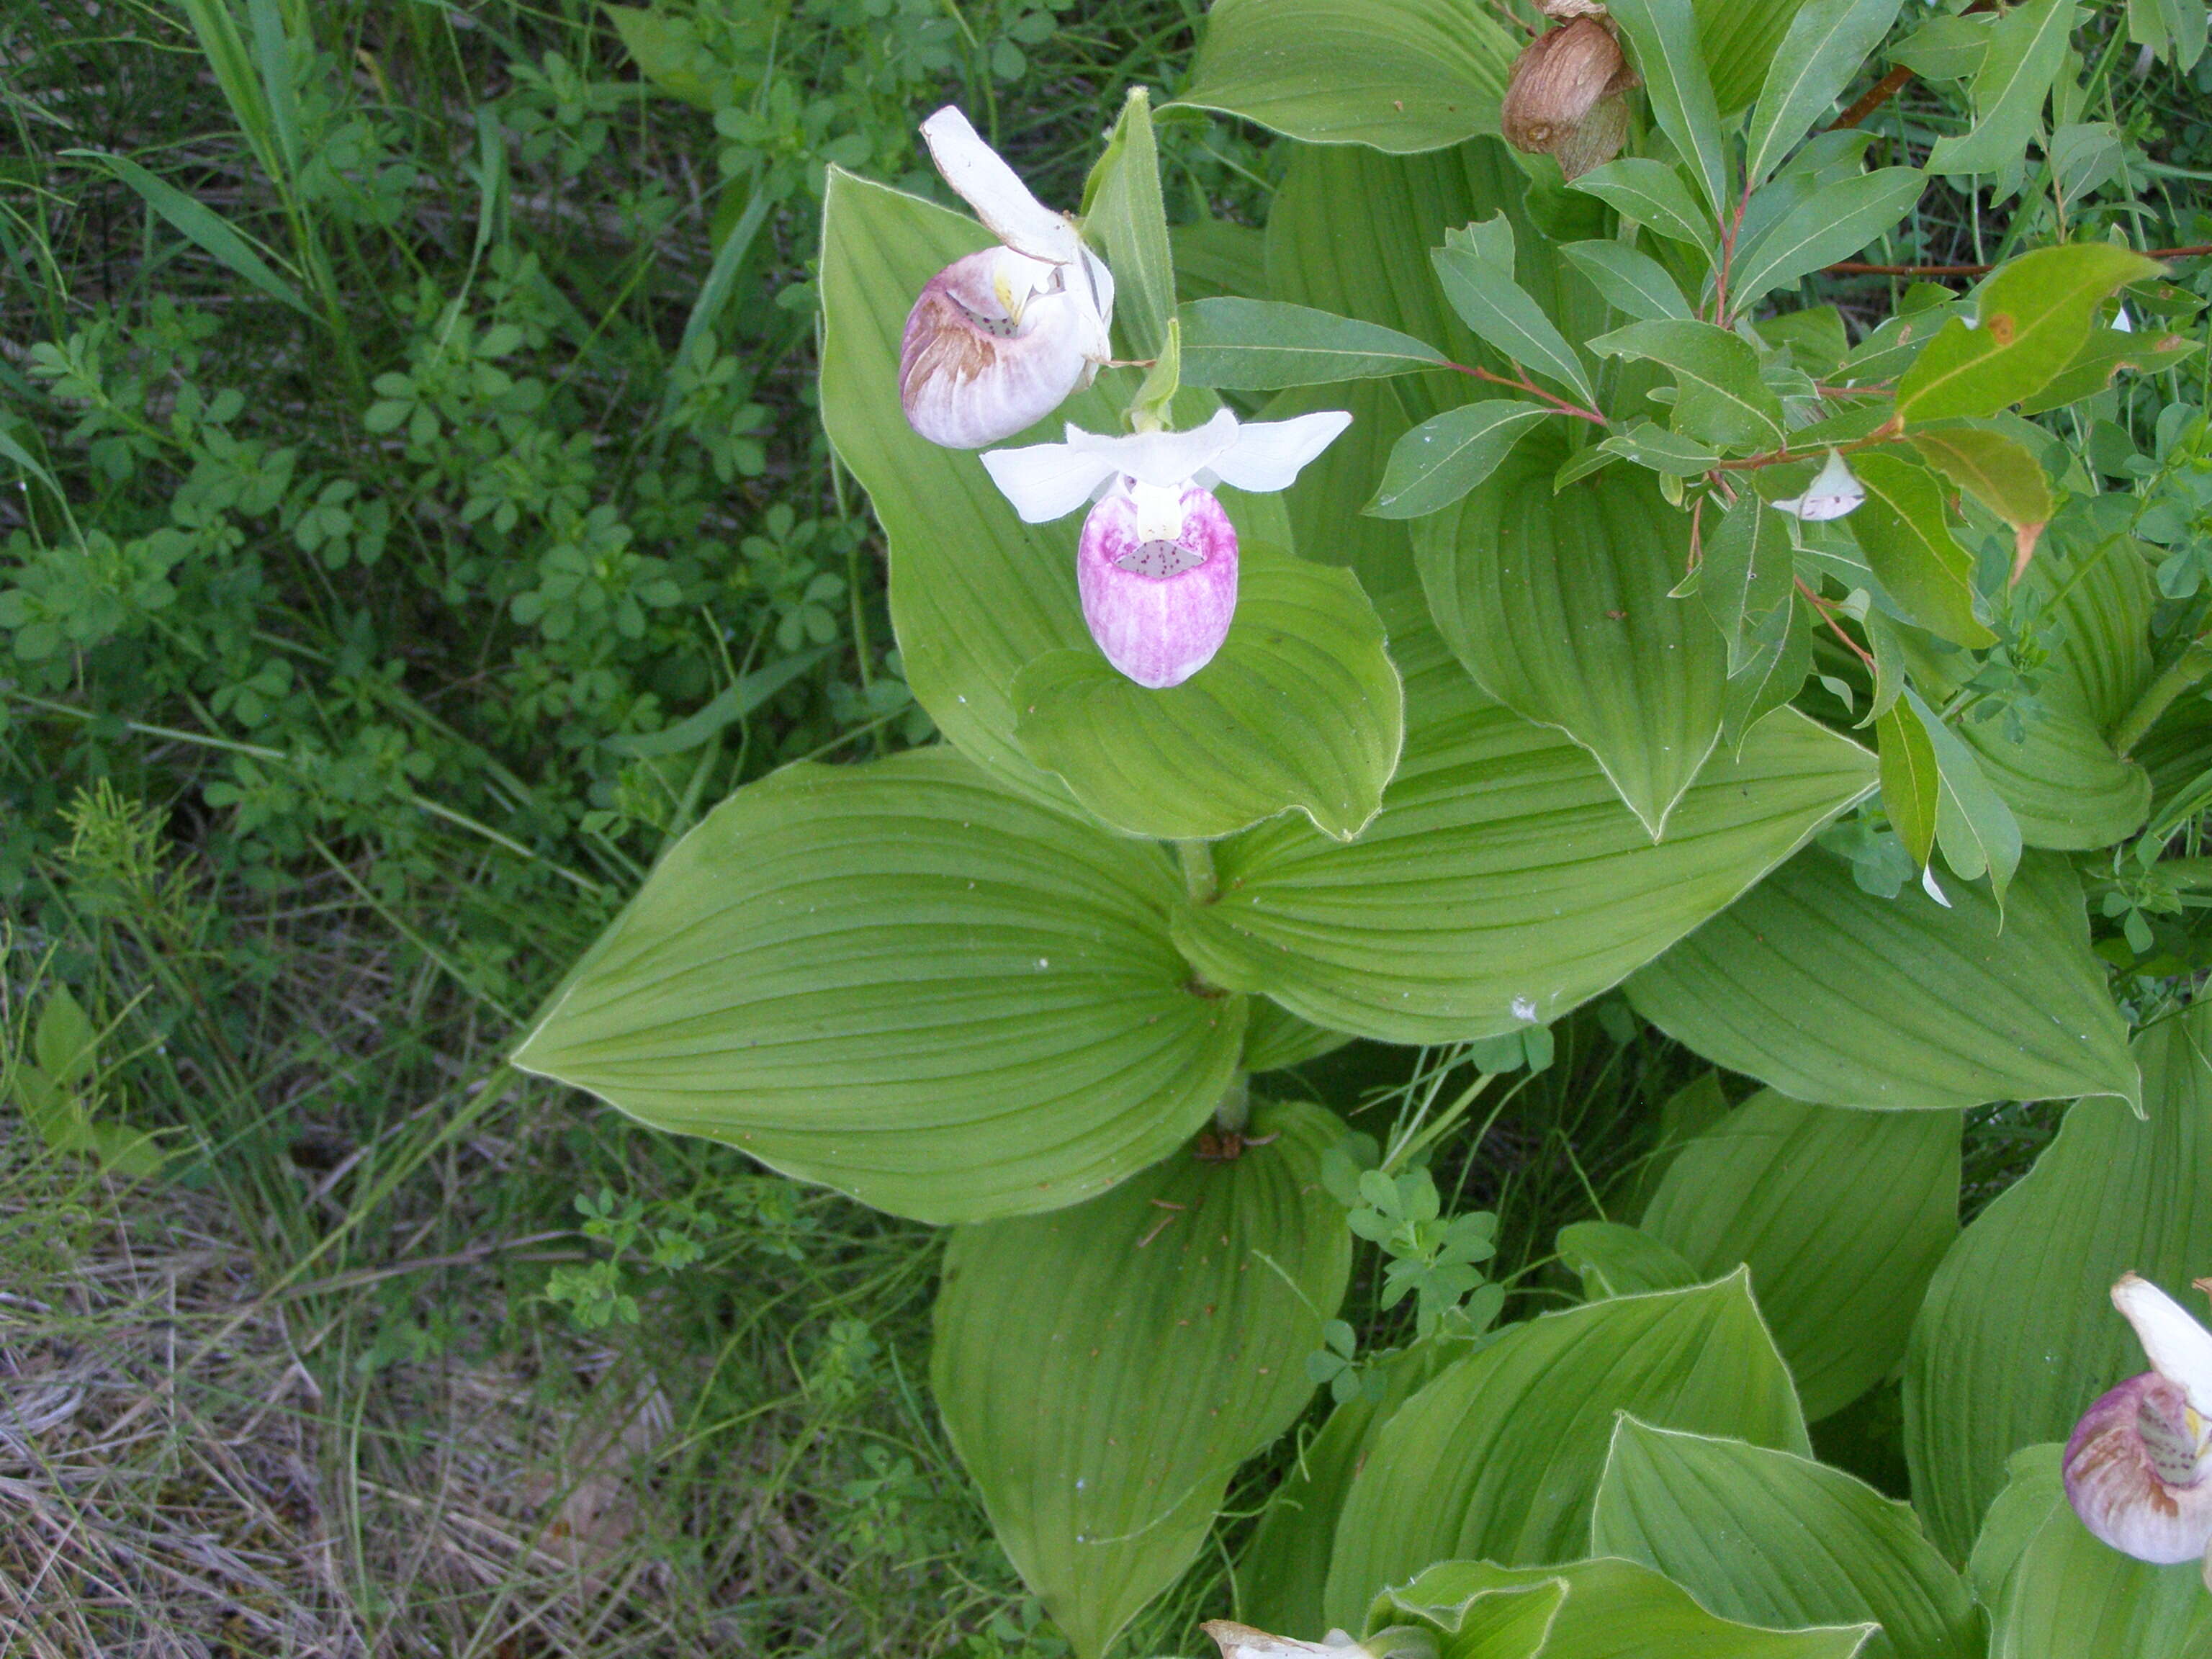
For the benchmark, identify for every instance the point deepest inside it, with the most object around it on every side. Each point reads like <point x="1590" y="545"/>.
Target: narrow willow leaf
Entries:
<point x="1902" y="530"/>
<point x="1834" y="223"/>
<point x="1632" y="282"/>
<point x="1607" y="1608"/>
<point x="1559" y="605"/>
<point x="1745" y="572"/>
<point x="1440" y="460"/>
<point x="1781" y="656"/>
<point x="1945" y="48"/>
<point x="1613" y="1260"/>
<point x="1833" y="994"/>
<point x="1974" y="826"/>
<point x="2104" y="355"/>
<point x="1300" y="708"/>
<point x="1775" y="1540"/>
<point x="1498" y="1459"/>
<point x="1653" y="194"/>
<point x="2057" y="772"/>
<point x="1102" y="1371"/>
<point x="1828" y="42"/>
<point x="904" y="982"/>
<point x="1476" y="268"/>
<point x="1911" y="787"/>
<point x="1662" y="36"/>
<point x="2065" y="1595"/>
<point x="2018" y="1334"/>
<point x="1452" y="916"/>
<point x="1668" y="453"/>
<point x="1275" y="1038"/>
<point x="1721" y="398"/>
<point x="2027" y="49"/>
<point x="1125" y="211"/>
<point x="1349" y="234"/>
<point x="1401" y="76"/>
<point x="1841" y="1216"/>
<point x="1283" y="1571"/>
<point x="1261" y="345"/>
<point x="1995" y="468"/>
<point x="2031" y="318"/>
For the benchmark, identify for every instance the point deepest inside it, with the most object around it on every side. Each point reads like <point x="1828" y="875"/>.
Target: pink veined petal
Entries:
<point x="1158" y="610"/>
<point x="970" y="375"/>
<point x="996" y="192"/>
<point x="2135" y="1472"/>
<point x="2177" y="1345"/>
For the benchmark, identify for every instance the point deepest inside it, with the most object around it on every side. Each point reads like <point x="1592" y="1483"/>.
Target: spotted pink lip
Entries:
<point x="1158" y="610"/>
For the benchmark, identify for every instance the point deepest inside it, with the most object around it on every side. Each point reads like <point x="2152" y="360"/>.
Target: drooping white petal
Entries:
<point x="1000" y="199"/>
<point x="1835" y="492"/>
<point x="1245" y="1642"/>
<point x="1268" y="455"/>
<point x="1049" y="481"/>
<point x="2179" y="1349"/>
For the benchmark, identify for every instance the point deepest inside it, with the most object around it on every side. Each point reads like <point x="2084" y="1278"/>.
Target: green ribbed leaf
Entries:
<point x="1775" y="1540"/>
<point x="1613" y="1260"/>
<point x="1104" y="1369"/>
<point x="2065" y="1595"/>
<point x="902" y="981"/>
<point x="1274" y="1037"/>
<point x="1400" y="76"/>
<point x="1499" y="1457"/>
<point x="1283" y="1571"/>
<point x="2062" y="780"/>
<point x="1841" y="1216"/>
<point x="1300" y="708"/>
<point x="1833" y="994"/>
<point x="1600" y="1609"/>
<point x="2018" y="1334"/>
<point x="1558" y="605"/>
<point x="1454" y="915"/>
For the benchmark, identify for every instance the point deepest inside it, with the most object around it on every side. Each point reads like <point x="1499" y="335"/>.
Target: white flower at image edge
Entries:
<point x="2139" y="1466"/>
<point x="1156" y="561"/>
<point x="999" y="339"/>
<point x="1835" y="492"/>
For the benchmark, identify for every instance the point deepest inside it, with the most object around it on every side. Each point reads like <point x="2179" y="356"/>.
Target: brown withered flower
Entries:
<point x="1567" y="96"/>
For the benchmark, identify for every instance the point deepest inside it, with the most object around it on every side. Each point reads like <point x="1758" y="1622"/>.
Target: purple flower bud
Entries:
<point x="1157" y="568"/>
<point x="2136" y="1468"/>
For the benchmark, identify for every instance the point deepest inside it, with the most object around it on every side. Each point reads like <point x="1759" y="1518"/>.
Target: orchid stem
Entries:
<point x="2190" y="666"/>
<point x="1199" y="881"/>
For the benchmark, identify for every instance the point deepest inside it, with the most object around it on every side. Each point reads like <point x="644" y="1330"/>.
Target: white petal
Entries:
<point x="1835" y="492"/>
<point x="1049" y="481"/>
<point x="1000" y="199"/>
<point x="1268" y="455"/>
<point x="2179" y="1349"/>
<point x="2123" y="322"/>
<point x="1244" y="1642"/>
<point x="1170" y="459"/>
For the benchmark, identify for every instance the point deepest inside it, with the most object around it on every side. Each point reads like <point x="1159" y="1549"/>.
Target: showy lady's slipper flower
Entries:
<point x="998" y="339"/>
<point x="1156" y="561"/>
<point x="2139" y="1466"/>
<point x="1834" y="493"/>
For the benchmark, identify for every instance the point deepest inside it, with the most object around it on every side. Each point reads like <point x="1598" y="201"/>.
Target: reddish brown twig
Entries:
<point x="1860" y="268"/>
<point x="1562" y="404"/>
<point x="1876" y="95"/>
<point x="1828" y="617"/>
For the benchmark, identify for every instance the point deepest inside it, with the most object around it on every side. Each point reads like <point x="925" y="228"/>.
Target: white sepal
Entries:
<point x="2179" y="1349"/>
<point x="1835" y="492"/>
<point x="1269" y="454"/>
<point x="995" y="191"/>
<point x="1049" y="481"/>
<point x="1170" y="459"/>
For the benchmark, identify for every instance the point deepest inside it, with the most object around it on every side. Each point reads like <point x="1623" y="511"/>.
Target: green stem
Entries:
<point x="1199" y="879"/>
<point x="2183" y="671"/>
<point x="1234" y="1110"/>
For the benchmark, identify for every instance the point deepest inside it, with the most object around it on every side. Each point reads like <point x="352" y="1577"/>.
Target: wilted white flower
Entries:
<point x="1156" y="561"/>
<point x="2139" y="1466"/>
<point x="998" y="339"/>
<point x="1835" y="492"/>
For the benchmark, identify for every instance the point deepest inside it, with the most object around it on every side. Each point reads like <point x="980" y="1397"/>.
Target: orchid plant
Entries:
<point x="1506" y="598"/>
